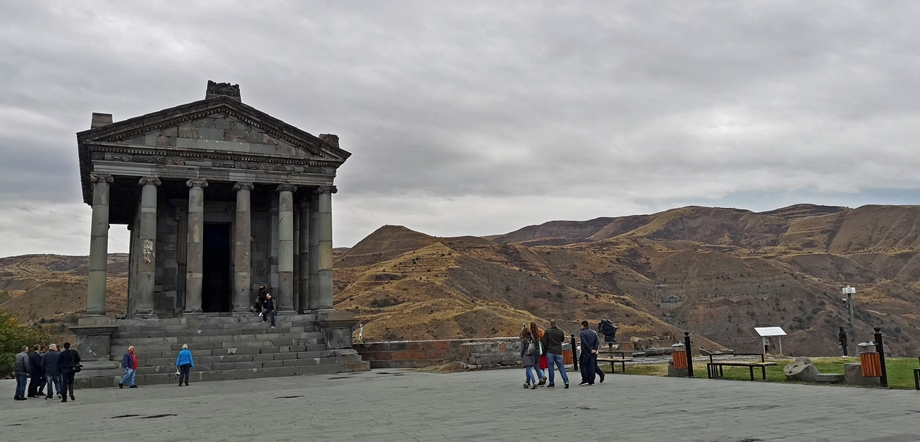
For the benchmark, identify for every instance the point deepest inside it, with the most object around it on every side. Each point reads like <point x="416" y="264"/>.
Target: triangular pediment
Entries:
<point x="218" y="125"/>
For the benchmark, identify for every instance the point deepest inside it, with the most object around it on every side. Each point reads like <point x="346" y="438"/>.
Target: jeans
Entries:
<point x="128" y="378"/>
<point x="557" y="360"/>
<point x="588" y="366"/>
<point x="54" y="384"/>
<point x="184" y="373"/>
<point x="266" y="313"/>
<point x="529" y="374"/>
<point x="21" y="379"/>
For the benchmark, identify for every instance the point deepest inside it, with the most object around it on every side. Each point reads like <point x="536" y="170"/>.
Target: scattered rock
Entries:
<point x="802" y="370"/>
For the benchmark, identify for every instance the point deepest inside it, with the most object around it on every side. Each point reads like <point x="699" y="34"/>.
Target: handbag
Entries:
<point x="77" y="368"/>
<point x="530" y="349"/>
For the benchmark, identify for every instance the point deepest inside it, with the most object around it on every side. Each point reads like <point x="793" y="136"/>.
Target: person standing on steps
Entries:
<point x="51" y="367"/>
<point x="184" y="363"/>
<point x="129" y="363"/>
<point x="21" y="369"/>
<point x="554" y="338"/>
<point x="269" y="308"/>
<point x="35" y="371"/>
<point x="842" y="337"/>
<point x="69" y="363"/>
<point x="588" y="359"/>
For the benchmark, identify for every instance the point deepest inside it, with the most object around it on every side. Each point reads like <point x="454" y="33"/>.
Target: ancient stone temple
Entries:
<point x="218" y="197"/>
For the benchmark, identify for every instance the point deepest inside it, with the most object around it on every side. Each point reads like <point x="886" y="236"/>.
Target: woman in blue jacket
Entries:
<point x="184" y="364"/>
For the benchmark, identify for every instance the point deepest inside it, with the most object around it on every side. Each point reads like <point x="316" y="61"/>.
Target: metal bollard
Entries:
<point x="880" y="348"/>
<point x="574" y="355"/>
<point x="689" y="354"/>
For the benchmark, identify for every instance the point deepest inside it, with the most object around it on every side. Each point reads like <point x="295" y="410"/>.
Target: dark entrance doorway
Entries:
<point x="215" y="285"/>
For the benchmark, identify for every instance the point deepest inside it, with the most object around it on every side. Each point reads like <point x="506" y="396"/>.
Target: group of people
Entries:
<point x="265" y="305"/>
<point x="542" y="350"/>
<point x="184" y="364"/>
<point x="47" y="368"/>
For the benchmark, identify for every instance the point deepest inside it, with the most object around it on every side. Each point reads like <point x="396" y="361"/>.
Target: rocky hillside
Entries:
<point x="715" y="272"/>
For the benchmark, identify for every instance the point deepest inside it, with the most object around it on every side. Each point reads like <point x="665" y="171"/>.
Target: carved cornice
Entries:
<point x="149" y="180"/>
<point x="121" y="152"/>
<point x="197" y="183"/>
<point x="95" y="177"/>
<point x="286" y="188"/>
<point x="241" y="186"/>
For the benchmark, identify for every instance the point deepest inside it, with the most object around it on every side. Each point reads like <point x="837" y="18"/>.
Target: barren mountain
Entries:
<point x="715" y="272"/>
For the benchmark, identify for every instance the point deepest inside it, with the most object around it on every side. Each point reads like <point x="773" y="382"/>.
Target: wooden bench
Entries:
<point x="714" y="368"/>
<point x="622" y="359"/>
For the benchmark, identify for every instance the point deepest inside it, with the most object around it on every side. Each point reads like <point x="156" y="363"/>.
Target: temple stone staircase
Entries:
<point x="223" y="347"/>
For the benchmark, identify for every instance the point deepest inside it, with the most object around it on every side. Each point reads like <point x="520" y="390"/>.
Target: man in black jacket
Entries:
<point x="68" y="363"/>
<point x="35" y="371"/>
<point x="588" y="359"/>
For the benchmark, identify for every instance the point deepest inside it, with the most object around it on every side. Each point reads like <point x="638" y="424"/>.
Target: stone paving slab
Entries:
<point x="490" y="405"/>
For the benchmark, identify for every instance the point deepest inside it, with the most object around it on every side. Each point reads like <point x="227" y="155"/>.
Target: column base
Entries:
<point x="94" y="342"/>
<point x="337" y="327"/>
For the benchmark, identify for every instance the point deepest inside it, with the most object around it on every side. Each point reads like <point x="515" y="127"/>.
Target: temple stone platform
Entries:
<point x="224" y="347"/>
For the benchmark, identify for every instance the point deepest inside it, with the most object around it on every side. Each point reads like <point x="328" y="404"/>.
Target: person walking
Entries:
<point x="35" y="371"/>
<point x="588" y="358"/>
<point x="528" y="358"/>
<point x="52" y="369"/>
<point x="260" y="298"/>
<point x="538" y="337"/>
<point x="842" y="337"/>
<point x="269" y="307"/>
<point x="69" y="362"/>
<point x="21" y="370"/>
<point x="184" y="363"/>
<point x="554" y="338"/>
<point x="129" y="363"/>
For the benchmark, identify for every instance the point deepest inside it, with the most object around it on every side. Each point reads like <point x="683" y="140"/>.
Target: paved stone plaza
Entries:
<point x="489" y="405"/>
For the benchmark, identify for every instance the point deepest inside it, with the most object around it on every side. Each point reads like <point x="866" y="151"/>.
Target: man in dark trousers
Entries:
<point x="554" y="338"/>
<point x="35" y="371"/>
<point x="269" y="307"/>
<point x="68" y="362"/>
<point x="842" y="337"/>
<point x="260" y="299"/>
<point x="51" y="367"/>
<point x="588" y="359"/>
<point x="21" y="369"/>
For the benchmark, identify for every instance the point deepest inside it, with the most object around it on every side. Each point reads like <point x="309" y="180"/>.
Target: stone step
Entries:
<point x="209" y="322"/>
<point x="240" y="365"/>
<point x="241" y="329"/>
<point x="168" y="376"/>
<point x="830" y="378"/>
<point x="222" y="348"/>
<point x="227" y="337"/>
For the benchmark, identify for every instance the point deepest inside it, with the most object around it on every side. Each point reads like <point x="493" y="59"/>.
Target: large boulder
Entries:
<point x="802" y="370"/>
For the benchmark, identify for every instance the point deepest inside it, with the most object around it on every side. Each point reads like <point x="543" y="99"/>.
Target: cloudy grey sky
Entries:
<point x="469" y="118"/>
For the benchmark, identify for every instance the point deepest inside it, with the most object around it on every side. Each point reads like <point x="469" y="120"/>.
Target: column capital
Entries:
<point x="94" y="177"/>
<point x="323" y="189"/>
<point x="149" y="180"/>
<point x="286" y="188"/>
<point x="197" y="183"/>
<point x="243" y="185"/>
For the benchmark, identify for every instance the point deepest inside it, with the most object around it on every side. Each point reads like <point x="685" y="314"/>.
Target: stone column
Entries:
<point x="98" y="245"/>
<point x="312" y="283"/>
<point x="195" y="245"/>
<point x="242" y="244"/>
<point x="304" y="249"/>
<point x="324" y="225"/>
<point x="286" y="246"/>
<point x="147" y="242"/>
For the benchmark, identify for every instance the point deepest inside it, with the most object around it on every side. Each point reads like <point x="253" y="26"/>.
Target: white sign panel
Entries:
<point x="769" y="331"/>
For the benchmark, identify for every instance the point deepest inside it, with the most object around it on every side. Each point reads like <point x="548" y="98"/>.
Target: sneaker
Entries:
<point x="583" y="383"/>
<point x="120" y="385"/>
<point x="602" y="377"/>
<point x="526" y="385"/>
<point x="533" y="387"/>
<point x="72" y="398"/>
<point x="566" y="385"/>
<point x="551" y="386"/>
<point x="133" y="386"/>
<point x="542" y="381"/>
<point x="273" y="326"/>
